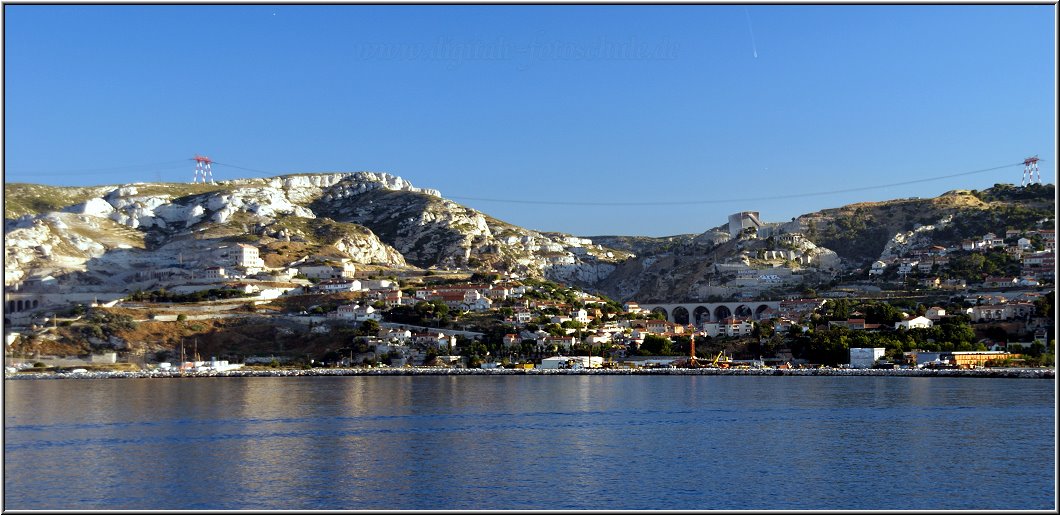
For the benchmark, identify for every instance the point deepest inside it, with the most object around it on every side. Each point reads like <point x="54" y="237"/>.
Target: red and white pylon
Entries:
<point x="1030" y="170"/>
<point x="202" y="169"/>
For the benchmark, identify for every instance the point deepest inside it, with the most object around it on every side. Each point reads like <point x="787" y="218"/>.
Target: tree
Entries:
<point x="370" y="327"/>
<point x="440" y="308"/>
<point x="1044" y="306"/>
<point x="656" y="345"/>
<point x="430" y="355"/>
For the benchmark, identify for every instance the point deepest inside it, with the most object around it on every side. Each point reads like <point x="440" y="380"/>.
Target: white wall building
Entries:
<point x="920" y="322"/>
<point x="557" y="362"/>
<point x="339" y="285"/>
<point x="865" y="357"/>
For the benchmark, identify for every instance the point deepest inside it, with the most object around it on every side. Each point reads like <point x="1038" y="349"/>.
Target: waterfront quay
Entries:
<point x="1025" y="373"/>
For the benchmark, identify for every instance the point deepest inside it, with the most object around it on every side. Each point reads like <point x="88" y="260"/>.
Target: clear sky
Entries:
<point x="577" y="104"/>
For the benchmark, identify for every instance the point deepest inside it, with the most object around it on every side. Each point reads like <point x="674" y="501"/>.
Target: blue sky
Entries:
<point x="591" y="104"/>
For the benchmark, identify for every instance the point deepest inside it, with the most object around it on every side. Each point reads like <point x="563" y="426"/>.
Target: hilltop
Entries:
<point x="99" y="238"/>
<point x="698" y="266"/>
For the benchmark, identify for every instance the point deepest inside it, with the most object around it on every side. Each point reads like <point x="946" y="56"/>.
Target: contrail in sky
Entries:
<point x="754" y="47"/>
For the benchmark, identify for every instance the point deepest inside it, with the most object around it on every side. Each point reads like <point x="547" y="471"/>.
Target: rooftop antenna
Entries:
<point x="202" y="169"/>
<point x="1030" y="168"/>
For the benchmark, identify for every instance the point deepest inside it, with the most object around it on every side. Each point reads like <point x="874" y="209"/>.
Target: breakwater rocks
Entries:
<point x="1025" y="373"/>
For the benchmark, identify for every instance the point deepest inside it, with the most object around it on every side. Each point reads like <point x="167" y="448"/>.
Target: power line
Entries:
<point x="722" y="201"/>
<point x="90" y="170"/>
<point x="245" y="168"/>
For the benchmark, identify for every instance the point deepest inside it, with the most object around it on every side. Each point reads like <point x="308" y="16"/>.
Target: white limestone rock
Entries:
<point x="92" y="207"/>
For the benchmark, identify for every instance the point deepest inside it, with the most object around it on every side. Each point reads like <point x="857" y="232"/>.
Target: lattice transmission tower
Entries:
<point x="202" y="169"/>
<point x="1030" y="170"/>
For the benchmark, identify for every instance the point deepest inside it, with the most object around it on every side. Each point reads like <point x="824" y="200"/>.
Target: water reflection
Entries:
<point x="568" y="442"/>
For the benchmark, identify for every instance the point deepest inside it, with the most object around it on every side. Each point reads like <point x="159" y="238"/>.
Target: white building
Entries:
<point x="240" y="255"/>
<point x="580" y="316"/>
<point x="480" y="304"/>
<point x="246" y="256"/>
<point x="378" y="284"/>
<point x="214" y="273"/>
<point x="743" y="220"/>
<point x="728" y="327"/>
<point x="632" y="307"/>
<point x="935" y="313"/>
<point x="865" y="357"/>
<point x="392" y="334"/>
<point x="920" y="322"/>
<point x="345" y="270"/>
<point x="557" y="362"/>
<point x="339" y="285"/>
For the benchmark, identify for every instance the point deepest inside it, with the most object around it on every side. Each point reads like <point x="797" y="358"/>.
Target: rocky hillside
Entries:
<point x="690" y="266"/>
<point x="96" y="238"/>
<point x="92" y="236"/>
<point x="865" y="231"/>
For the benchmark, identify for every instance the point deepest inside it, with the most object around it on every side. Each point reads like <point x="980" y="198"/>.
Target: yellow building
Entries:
<point x="969" y="359"/>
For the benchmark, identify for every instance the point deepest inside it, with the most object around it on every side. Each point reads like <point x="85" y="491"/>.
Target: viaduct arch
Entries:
<point x="702" y="312"/>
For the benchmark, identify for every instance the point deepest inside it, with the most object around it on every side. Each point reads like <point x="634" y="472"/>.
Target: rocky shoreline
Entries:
<point x="1023" y="373"/>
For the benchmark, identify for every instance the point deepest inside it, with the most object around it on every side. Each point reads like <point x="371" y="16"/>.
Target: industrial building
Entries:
<point x="557" y="362"/>
<point x="865" y="357"/>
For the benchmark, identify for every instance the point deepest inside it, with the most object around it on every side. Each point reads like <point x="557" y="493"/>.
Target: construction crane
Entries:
<point x="722" y="363"/>
<point x="692" y="361"/>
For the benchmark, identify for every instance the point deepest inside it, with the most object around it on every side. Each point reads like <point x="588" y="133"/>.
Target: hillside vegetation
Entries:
<point x="859" y="232"/>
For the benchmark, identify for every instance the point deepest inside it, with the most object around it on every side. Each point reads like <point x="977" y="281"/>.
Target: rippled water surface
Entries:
<point x="526" y="442"/>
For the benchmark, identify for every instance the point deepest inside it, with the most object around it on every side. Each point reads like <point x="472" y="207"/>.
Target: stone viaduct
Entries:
<point x="702" y="312"/>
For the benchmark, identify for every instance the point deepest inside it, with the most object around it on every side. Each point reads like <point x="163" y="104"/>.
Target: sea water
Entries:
<point x="530" y="442"/>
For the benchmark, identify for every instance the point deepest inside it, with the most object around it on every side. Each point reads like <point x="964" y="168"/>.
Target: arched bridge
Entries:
<point x="702" y="312"/>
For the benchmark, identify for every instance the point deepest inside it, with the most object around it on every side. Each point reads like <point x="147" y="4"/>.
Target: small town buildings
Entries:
<point x="560" y="342"/>
<point x="1039" y="264"/>
<point x="1028" y="281"/>
<point x="431" y="338"/>
<point x="997" y="312"/>
<point x="498" y="292"/>
<point x="906" y="266"/>
<point x="954" y="284"/>
<point x="395" y="335"/>
<point x="523" y="316"/>
<point x="798" y="308"/>
<point x="1048" y="238"/>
